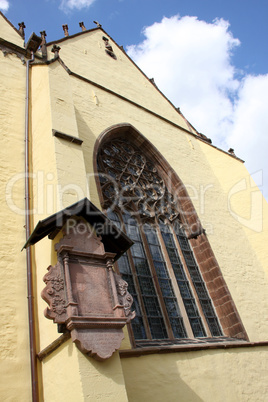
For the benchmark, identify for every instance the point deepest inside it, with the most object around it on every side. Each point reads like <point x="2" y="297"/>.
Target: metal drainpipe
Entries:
<point x="32" y="334"/>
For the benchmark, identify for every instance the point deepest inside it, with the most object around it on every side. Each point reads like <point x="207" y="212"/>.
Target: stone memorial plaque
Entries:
<point x="91" y="289"/>
<point x="85" y="294"/>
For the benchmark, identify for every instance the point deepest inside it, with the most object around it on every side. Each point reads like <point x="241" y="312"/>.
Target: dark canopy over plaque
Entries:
<point x="114" y="239"/>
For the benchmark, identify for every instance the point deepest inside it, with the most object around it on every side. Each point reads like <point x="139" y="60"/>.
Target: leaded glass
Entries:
<point x="183" y="283"/>
<point x="164" y="281"/>
<point x="157" y="328"/>
<point x="197" y="281"/>
<point x="147" y="287"/>
<point x="178" y="327"/>
<point x="125" y="270"/>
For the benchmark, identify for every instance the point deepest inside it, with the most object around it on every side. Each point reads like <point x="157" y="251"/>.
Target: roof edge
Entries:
<point x="73" y="36"/>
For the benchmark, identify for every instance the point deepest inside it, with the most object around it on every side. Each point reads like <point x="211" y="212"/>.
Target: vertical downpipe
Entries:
<point x="30" y="296"/>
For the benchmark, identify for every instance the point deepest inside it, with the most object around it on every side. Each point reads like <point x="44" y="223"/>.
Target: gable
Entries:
<point x="9" y="33"/>
<point x="85" y="55"/>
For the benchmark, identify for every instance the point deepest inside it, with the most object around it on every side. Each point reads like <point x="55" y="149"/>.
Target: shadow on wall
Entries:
<point x="151" y="379"/>
<point x="89" y="139"/>
<point x="72" y="376"/>
<point x="102" y="381"/>
<point x="233" y="375"/>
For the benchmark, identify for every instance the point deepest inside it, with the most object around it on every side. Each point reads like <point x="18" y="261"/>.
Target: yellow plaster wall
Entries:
<point x="58" y="165"/>
<point x="44" y="167"/>
<point x="71" y="376"/>
<point x="233" y="375"/>
<point x="85" y="55"/>
<point x="14" y="351"/>
<point x="238" y="235"/>
<point x="62" y="108"/>
<point x="8" y="33"/>
<point x="44" y="199"/>
<point x="72" y="179"/>
<point x="244" y="199"/>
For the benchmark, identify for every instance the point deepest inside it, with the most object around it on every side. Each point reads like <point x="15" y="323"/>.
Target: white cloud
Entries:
<point x="4" y="5"/>
<point x="67" y="5"/>
<point x="190" y="61"/>
<point x="249" y="131"/>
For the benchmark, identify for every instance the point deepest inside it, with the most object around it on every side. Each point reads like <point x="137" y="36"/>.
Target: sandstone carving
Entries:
<point x="84" y="293"/>
<point x="125" y="298"/>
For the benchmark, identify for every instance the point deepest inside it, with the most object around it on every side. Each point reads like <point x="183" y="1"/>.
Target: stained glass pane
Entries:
<point x="156" y="253"/>
<point x="165" y="283"/>
<point x="183" y="283"/>
<point x="185" y="289"/>
<point x="150" y="234"/>
<point x="191" y="308"/>
<point x="178" y="327"/>
<point x="198" y="282"/>
<point x="201" y="290"/>
<point x="125" y="270"/>
<point x="138" y="328"/>
<point x="123" y="265"/>
<point x="172" y="307"/>
<point x="152" y="306"/>
<point x="173" y="256"/>
<point x="161" y="270"/>
<point x="207" y="308"/>
<point x="113" y="216"/>
<point x="137" y="250"/>
<point x="178" y="271"/>
<point x="157" y="328"/>
<point x="147" y="287"/>
<point x="197" y="327"/>
<point x="214" y="327"/>
<point x="141" y="266"/>
<point x="133" y="233"/>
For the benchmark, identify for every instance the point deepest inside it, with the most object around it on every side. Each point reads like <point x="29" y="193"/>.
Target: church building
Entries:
<point x="134" y="251"/>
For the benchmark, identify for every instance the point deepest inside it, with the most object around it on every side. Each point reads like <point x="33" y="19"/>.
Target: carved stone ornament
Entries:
<point x="108" y="48"/>
<point x="130" y="180"/>
<point x="85" y="294"/>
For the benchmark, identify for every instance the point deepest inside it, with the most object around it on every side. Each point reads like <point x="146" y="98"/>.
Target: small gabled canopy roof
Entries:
<point x="114" y="240"/>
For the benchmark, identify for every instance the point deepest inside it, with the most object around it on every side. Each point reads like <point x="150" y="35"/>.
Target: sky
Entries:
<point x="209" y="57"/>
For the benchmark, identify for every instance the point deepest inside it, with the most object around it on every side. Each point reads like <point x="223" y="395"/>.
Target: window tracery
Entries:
<point x="131" y="180"/>
<point x="170" y="296"/>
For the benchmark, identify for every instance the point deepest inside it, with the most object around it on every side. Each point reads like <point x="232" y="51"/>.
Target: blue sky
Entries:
<point x="215" y="65"/>
<point x="125" y="19"/>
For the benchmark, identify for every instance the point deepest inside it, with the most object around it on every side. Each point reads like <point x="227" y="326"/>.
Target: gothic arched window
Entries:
<point x="171" y="298"/>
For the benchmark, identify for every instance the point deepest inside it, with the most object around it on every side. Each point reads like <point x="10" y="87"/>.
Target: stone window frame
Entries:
<point x="225" y="309"/>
